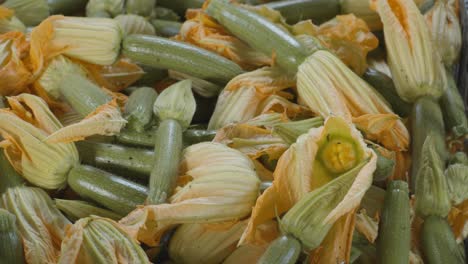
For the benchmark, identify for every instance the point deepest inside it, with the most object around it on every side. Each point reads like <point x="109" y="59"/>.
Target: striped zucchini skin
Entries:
<point x="168" y="147"/>
<point x="453" y="108"/>
<point x="283" y="250"/>
<point x="393" y="244"/>
<point x="66" y="7"/>
<point x="426" y="118"/>
<point x="11" y="244"/>
<point x="164" y="53"/>
<point x="111" y="191"/>
<point x="297" y="10"/>
<point x="148" y="138"/>
<point x="384" y="85"/>
<point x="126" y="161"/>
<point x="439" y="244"/>
<point x="260" y="33"/>
<point x="139" y="108"/>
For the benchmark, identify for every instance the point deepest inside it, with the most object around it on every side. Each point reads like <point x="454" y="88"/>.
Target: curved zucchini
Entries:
<point x="166" y="28"/>
<point x="453" y="108"/>
<point x="111" y="191"/>
<point x="260" y="33"/>
<point x="175" y="55"/>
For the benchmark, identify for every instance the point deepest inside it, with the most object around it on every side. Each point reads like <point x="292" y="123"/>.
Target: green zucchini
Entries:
<point x="168" y="146"/>
<point x="111" y="191"/>
<point x="283" y="250"/>
<point x="140" y="7"/>
<point x="66" y="7"/>
<point x="139" y="108"/>
<point x="76" y="210"/>
<point x="152" y="76"/>
<point x="384" y="85"/>
<point x="453" y="108"/>
<point x="148" y="138"/>
<point x="260" y="33"/>
<point x="126" y="161"/>
<point x="393" y="242"/>
<point x="166" y="28"/>
<point x="181" y="6"/>
<point x="11" y="244"/>
<point x="164" y="13"/>
<point x="438" y="242"/>
<point x="426" y="119"/>
<point x="170" y="54"/>
<point x="297" y="10"/>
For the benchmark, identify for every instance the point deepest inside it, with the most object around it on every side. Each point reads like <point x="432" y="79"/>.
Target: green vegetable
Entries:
<point x="9" y="178"/>
<point x="170" y="54"/>
<point x="139" y="108"/>
<point x="76" y="210"/>
<point x="66" y="7"/>
<point x="438" y="242"/>
<point x="260" y="33"/>
<point x="111" y="191"/>
<point x="166" y="28"/>
<point x="290" y="131"/>
<point x="11" y="244"/>
<point x="140" y="7"/>
<point x="393" y="242"/>
<point x="125" y="161"/>
<point x="453" y="108"/>
<point x="283" y="250"/>
<point x="297" y="10"/>
<point x="180" y="6"/>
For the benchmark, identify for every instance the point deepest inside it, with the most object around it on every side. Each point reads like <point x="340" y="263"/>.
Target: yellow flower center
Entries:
<point x="339" y="155"/>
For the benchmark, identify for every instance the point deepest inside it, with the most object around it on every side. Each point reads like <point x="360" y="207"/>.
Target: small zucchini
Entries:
<point x="283" y="250"/>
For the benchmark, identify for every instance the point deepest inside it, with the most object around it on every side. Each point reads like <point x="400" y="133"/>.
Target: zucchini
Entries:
<point x="11" y="244"/>
<point x="168" y="145"/>
<point x="297" y="10"/>
<point x="453" y="108"/>
<point x="260" y="33"/>
<point x="166" y="28"/>
<point x="142" y="8"/>
<point x="148" y="138"/>
<point x="126" y="161"/>
<point x="76" y="210"/>
<point x="66" y="7"/>
<point x="393" y="242"/>
<point x="181" y="6"/>
<point x="283" y="250"/>
<point x="385" y="86"/>
<point x="139" y="108"/>
<point x="179" y="56"/>
<point x="111" y="191"/>
<point x="438" y="242"/>
<point x="426" y="118"/>
<point x="9" y="178"/>
<point x="152" y="76"/>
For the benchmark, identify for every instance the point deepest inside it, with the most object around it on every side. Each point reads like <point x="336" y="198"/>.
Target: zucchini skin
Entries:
<point x="384" y="85"/>
<point x="438" y="241"/>
<point x="164" y="53"/>
<point x="127" y="161"/>
<point x="148" y="138"/>
<point x="453" y="109"/>
<point x="284" y="250"/>
<point x="168" y="147"/>
<point x="393" y="244"/>
<point x="166" y="28"/>
<point x="9" y="178"/>
<point x="260" y="33"/>
<point x="297" y="10"/>
<point x="180" y="6"/>
<point x="426" y="118"/>
<point x="66" y="7"/>
<point x="111" y="191"/>
<point x="11" y="244"/>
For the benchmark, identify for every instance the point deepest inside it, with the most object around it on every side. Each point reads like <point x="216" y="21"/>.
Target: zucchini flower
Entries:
<point x="30" y="12"/>
<point x="242" y="95"/>
<point x="102" y="116"/>
<point x="99" y="240"/>
<point x="93" y="40"/>
<point x="201" y="30"/>
<point x="458" y="219"/>
<point x="9" y="22"/>
<point x="140" y="7"/>
<point x="457" y="180"/>
<point x="104" y="8"/>
<point x="133" y="24"/>
<point x="25" y="128"/>
<point x="413" y="58"/>
<point x="432" y="191"/>
<point x="328" y="87"/>
<point x="221" y="185"/>
<point x="445" y="28"/>
<point x="363" y="10"/>
<point x="290" y="131"/>
<point x="318" y="162"/>
<point x="14" y="74"/>
<point x="214" y="242"/>
<point x="41" y="225"/>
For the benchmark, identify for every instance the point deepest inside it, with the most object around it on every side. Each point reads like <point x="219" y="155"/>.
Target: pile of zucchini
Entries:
<point x="218" y="131"/>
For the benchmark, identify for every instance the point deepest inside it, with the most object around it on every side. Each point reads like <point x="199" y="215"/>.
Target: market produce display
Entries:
<point x="233" y="131"/>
